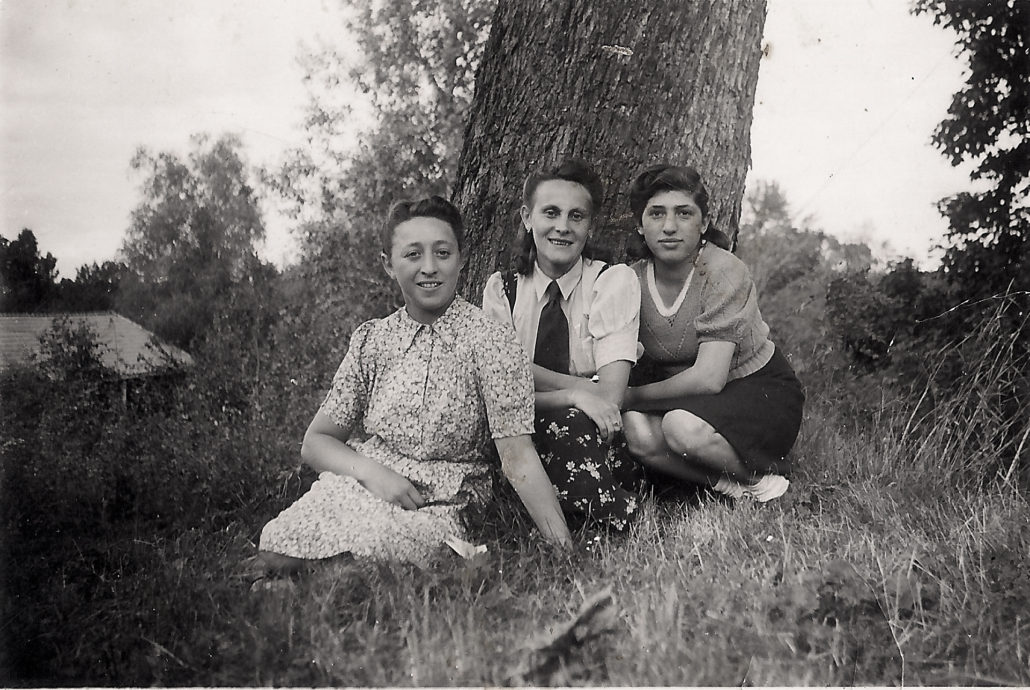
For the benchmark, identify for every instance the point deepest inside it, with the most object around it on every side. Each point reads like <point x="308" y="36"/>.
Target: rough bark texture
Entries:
<point x="619" y="83"/>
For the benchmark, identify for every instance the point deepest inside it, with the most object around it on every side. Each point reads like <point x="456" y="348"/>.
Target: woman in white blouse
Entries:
<point x="577" y="318"/>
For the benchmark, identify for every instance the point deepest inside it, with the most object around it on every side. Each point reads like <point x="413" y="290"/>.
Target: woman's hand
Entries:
<point x="603" y="413"/>
<point x="393" y="488"/>
<point x="325" y="450"/>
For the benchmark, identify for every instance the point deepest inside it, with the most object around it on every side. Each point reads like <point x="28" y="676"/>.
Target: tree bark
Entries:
<point x="619" y="83"/>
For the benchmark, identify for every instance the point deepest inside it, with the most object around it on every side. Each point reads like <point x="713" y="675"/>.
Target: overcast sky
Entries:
<point x="847" y="100"/>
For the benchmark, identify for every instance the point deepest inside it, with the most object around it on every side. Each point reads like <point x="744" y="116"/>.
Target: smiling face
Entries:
<point x="672" y="224"/>
<point x="425" y="261"/>
<point x="560" y="222"/>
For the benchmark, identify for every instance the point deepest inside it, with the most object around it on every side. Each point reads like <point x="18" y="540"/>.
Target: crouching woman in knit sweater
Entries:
<point x="721" y="406"/>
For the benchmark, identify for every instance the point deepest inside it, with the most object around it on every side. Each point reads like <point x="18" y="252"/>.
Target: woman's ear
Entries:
<point x="387" y="266"/>
<point x="524" y="212"/>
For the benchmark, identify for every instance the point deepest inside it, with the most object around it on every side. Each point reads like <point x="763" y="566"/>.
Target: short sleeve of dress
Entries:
<point x="348" y="396"/>
<point x="505" y="382"/>
<point x="495" y="302"/>
<point x="615" y="315"/>
<point x="727" y="301"/>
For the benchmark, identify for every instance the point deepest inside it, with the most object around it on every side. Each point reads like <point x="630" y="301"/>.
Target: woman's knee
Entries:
<point x="687" y="434"/>
<point x="643" y="435"/>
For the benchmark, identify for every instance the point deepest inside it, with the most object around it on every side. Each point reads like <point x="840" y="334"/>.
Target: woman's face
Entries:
<point x="425" y="261"/>
<point x="672" y="225"/>
<point x="560" y="222"/>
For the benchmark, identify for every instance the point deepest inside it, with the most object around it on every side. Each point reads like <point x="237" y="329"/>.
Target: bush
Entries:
<point x="968" y="362"/>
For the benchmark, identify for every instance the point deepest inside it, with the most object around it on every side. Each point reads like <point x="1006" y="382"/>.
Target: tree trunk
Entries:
<point x="619" y="83"/>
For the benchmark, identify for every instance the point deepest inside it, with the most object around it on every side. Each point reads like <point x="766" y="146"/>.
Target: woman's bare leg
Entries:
<point x="697" y="441"/>
<point x="646" y="440"/>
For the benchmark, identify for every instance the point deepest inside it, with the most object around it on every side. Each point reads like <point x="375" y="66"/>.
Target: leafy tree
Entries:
<point x="416" y="67"/>
<point x="987" y="123"/>
<point x="192" y="237"/>
<point x="95" y="287"/>
<point x="27" y="279"/>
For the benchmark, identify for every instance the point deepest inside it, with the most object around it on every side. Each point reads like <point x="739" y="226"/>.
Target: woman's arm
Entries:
<point x="325" y="450"/>
<point x="547" y="380"/>
<point x="611" y="381"/>
<point x="600" y="401"/>
<point x="521" y="465"/>
<point x="706" y="376"/>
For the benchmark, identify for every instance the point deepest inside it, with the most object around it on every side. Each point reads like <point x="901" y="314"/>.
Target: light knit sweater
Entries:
<point x="720" y="304"/>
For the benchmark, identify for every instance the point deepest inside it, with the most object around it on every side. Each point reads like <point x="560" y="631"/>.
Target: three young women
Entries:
<point x="577" y="318"/>
<point x="400" y="441"/>
<point x="722" y="407"/>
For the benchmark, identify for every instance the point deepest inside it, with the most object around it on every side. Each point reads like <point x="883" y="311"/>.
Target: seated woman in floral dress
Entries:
<point x="428" y="387"/>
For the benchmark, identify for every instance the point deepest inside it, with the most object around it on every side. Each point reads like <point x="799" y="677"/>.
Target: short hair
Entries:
<point x="430" y="207"/>
<point x="569" y="170"/>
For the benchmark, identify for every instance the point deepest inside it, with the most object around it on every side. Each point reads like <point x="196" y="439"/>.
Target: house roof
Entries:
<point x="125" y="347"/>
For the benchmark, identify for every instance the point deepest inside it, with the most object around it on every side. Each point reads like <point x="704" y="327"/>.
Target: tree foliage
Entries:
<point x="414" y="63"/>
<point x="95" y="287"/>
<point x="192" y="237"/>
<point x="27" y="279"/>
<point x="198" y="211"/>
<point x="988" y="124"/>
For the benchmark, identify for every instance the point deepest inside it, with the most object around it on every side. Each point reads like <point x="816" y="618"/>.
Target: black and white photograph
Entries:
<point x="514" y="343"/>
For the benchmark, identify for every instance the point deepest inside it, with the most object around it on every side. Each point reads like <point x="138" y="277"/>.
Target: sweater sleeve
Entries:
<point x="728" y="301"/>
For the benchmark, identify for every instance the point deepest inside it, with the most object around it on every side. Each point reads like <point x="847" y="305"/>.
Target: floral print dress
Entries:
<point x="426" y="400"/>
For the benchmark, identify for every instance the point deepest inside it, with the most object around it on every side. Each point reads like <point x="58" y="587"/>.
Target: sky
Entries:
<point x="848" y="97"/>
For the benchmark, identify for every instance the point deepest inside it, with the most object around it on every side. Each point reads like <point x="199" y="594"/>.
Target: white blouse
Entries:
<point x="603" y="310"/>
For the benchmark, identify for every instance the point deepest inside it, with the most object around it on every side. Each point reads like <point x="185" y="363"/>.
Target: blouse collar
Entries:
<point x="566" y="283"/>
<point x="447" y="325"/>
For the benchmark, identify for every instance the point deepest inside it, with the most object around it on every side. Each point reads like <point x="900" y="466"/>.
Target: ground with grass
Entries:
<point x="899" y="555"/>
<point x="883" y="564"/>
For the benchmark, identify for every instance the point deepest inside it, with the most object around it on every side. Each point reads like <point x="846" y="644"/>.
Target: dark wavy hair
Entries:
<point x="430" y="207"/>
<point x="668" y="178"/>
<point x="570" y="170"/>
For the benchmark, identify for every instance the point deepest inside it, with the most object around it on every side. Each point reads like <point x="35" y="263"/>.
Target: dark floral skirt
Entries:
<point x="596" y="482"/>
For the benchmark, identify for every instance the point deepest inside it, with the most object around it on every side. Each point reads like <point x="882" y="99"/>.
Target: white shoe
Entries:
<point x="729" y="487"/>
<point x="768" y="487"/>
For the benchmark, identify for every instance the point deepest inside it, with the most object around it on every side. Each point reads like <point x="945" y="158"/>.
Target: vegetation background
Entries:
<point x="900" y="554"/>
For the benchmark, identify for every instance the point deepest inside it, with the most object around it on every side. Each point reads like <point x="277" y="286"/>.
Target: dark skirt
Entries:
<point x="759" y="415"/>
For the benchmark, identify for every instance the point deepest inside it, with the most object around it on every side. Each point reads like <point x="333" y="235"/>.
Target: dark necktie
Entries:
<point x="552" y="335"/>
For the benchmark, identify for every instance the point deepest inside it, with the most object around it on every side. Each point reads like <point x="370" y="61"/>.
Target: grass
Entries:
<point x="900" y="555"/>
